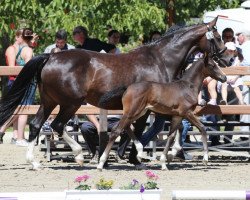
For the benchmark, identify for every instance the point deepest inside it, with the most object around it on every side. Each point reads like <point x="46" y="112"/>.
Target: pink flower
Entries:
<point x="151" y="175"/>
<point x="84" y="178"/>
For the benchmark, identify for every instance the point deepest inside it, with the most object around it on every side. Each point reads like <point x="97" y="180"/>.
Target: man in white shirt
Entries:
<point x="61" y="42"/>
<point x="243" y="38"/>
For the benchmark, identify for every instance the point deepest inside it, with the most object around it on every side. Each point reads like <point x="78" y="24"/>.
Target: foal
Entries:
<point x="178" y="98"/>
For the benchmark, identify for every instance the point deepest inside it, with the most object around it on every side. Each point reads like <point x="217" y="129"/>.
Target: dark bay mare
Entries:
<point x="69" y="78"/>
<point x="143" y="96"/>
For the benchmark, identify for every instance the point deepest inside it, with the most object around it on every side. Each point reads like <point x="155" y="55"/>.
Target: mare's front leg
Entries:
<point x="176" y="120"/>
<point x="196" y="122"/>
<point x="34" y="129"/>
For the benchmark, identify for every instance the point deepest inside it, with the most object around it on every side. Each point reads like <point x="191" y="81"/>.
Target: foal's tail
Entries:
<point x="20" y="89"/>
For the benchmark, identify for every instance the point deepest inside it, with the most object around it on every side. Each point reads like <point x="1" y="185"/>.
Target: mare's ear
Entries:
<point x="213" y="22"/>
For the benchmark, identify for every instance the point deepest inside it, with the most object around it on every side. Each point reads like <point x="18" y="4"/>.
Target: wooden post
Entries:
<point x="103" y="135"/>
<point x="170" y="12"/>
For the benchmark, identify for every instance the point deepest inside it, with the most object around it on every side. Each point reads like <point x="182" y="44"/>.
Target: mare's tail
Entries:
<point x="20" y="88"/>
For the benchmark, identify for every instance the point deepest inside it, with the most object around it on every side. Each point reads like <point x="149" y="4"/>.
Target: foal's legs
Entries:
<point x="116" y="131"/>
<point x="176" y="120"/>
<point x="193" y="119"/>
<point x="176" y="146"/>
<point x="35" y="126"/>
<point x="58" y="124"/>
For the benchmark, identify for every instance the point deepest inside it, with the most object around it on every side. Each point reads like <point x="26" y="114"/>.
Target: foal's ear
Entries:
<point x="213" y="22"/>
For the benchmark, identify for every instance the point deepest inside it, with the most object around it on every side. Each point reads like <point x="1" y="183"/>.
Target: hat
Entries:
<point x="230" y="46"/>
<point x="244" y="31"/>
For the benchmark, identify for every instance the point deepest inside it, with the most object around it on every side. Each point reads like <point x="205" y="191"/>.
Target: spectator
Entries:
<point x="17" y="55"/>
<point x="154" y="35"/>
<point x="243" y="38"/>
<point x="80" y="35"/>
<point x="228" y="35"/>
<point x="61" y="42"/>
<point x="114" y="38"/>
<point x="234" y="82"/>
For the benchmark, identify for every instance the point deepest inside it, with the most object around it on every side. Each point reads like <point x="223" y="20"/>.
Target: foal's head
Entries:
<point x="213" y="70"/>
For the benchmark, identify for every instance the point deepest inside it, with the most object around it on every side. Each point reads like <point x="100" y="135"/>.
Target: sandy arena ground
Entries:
<point x="223" y="172"/>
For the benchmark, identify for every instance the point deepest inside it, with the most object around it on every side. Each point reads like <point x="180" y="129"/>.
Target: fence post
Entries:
<point x="103" y="135"/>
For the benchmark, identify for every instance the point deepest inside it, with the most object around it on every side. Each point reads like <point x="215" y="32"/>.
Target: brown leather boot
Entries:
<point x="1" y="137"/>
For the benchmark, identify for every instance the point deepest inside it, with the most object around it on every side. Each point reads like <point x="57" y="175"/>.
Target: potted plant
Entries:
<point x="104" y="191"/>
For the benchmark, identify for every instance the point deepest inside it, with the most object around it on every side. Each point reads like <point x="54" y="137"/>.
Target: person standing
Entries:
<point x="60" y="42"/>
<point x="80" y="35"/>
<point x="114" y="38"/>
<point x="17" y="55"/>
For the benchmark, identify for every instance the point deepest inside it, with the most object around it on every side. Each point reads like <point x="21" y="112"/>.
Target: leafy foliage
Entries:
<point x="133" y="17"/>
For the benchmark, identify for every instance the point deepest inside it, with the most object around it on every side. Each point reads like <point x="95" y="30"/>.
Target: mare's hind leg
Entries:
<point x="195" y="121"/>
<point x="176" y="120"/>
<point x="34" y="127"/>
<point x="115" y="132"/>
<point x="65" y="113"/>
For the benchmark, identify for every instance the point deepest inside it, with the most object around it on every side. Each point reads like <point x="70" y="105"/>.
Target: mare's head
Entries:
<point x="213" y="70"/>
<point x="212" y="44"/>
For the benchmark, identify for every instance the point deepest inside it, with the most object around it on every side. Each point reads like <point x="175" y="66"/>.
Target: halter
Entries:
<point x="218" y="52"/>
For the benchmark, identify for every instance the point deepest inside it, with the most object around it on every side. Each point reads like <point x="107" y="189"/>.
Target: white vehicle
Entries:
<point x="238" y="18"/>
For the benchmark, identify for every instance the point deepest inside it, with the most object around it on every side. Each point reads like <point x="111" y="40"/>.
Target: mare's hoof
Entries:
<point x="79" y="162"/>
<point x="205" y="162"/>
<point x="99" y="167"/>
<point x="36" y="166"/>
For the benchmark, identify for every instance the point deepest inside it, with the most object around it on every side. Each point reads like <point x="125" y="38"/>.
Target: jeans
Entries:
<point x="158" y="126"/>
<point x="186" y="126"/>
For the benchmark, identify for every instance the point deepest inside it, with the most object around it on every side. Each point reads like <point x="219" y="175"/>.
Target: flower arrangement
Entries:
<point x="104" y="184"/>
<point x="134" y="185"/>
<point x="152" y="178"/>
<point x="150" y="184"/>
<point x="81" y="180"/>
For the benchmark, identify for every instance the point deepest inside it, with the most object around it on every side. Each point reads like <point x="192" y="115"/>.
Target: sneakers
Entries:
<point x="46" y="127"/>
<point x="94" y="160"/>
<point x="212" y="102"/>
<point x="21" y="143"/>
<point x="120" y="160"/>
<point x="182" y="155"/>
<point x="202" y="102"/>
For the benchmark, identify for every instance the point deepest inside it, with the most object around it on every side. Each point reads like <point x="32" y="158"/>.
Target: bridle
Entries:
<point x="215" y="52"/>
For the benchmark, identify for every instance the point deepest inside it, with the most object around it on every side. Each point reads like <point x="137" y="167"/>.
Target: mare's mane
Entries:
<point x="172" y="31"/>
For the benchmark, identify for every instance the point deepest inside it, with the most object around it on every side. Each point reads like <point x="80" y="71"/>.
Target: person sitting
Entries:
<point x="90" y="131"/>
<point x="60" y="42"/>
<point x="234" y="82"/>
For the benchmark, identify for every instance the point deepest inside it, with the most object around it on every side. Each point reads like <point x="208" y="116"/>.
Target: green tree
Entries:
<point x="133" y="17"/>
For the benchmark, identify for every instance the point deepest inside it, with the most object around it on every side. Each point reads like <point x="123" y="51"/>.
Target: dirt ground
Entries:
<point x="223" y="172"/>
